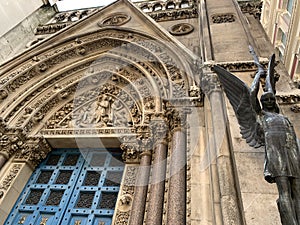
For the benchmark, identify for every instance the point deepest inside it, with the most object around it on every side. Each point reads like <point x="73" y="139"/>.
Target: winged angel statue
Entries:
<point x="265" y="126"/>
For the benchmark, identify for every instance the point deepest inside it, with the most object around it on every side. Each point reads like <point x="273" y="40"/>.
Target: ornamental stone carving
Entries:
<point x="11" y="140"/>
<point x="210" y="82"/>
<point x="9" y="179"/>
<point x="181" y="29"/>
<point x="36" y="150"/>
<point x="116" y="19"/>
<point x="295" y="108"/>
<point x="131" y="154"/>
<point x="252" y="7"/>
<point x="223" y="18"/>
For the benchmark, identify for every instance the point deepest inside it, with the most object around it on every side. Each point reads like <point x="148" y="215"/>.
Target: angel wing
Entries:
<point x="270" y="79"/>
<point x="239" y="97"/>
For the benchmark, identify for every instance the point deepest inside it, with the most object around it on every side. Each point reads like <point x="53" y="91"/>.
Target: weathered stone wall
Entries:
<point x="15" y="40"/>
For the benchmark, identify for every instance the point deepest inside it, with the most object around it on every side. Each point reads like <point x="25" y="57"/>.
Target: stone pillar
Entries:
<point x="141" y="186"/>
<point x="157" y="187"/>
<point x="225" y="191"/>
<point x="176" y="210"/>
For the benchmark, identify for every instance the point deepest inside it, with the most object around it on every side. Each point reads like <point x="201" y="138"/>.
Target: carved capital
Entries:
<point x="144" y="139"/>
<point x="177" y="117"/>
<point x="210" y="82"/>
<point x="11" y="139"/>
<point x="35" y="150"/>
<point x="159" y="127"/>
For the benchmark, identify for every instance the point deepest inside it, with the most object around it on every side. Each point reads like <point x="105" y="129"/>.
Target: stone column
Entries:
<point x="176" y="210"/>
<point x="157" y="187"/>
<point x="225" y="191"/>
<point x="141" y="186"/>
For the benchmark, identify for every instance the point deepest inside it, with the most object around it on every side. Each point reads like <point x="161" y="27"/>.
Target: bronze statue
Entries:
<point x="265" y="126"/>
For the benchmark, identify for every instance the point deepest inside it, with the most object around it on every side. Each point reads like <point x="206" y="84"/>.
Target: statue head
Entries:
<point x="268" y="102"/>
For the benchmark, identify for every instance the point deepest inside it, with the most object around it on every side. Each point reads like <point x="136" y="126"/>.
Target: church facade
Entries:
<point x="115" y="116"/>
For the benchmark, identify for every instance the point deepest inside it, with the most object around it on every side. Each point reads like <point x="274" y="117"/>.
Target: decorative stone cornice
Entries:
<point x="170" y="10"/>
<point x="288" y="98"/>
<point x="252" y="7"/>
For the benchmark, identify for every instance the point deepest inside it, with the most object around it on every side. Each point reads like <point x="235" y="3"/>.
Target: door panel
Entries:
<point x="71" y="187"/>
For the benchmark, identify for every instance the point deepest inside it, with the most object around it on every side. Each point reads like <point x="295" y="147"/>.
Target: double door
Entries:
<point x="71" y="187"/>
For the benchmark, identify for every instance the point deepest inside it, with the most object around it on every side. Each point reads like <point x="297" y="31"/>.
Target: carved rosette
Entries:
<point x="181" y="29"/>
<point x="37" y="149"/>
<point x="116" y="19"/>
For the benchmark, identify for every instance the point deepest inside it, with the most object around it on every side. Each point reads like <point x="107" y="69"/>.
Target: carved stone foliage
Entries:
<point x="116" y="19"/>
<point x="11" y="140"/>
<point x="181" y="29"/>
<point x="251" y="7"/>
<point x="126" y="196"/>
<point x="223" y="18"/>
<point x="37" y="149"/>
<point x="9" y="178"/>
<point x="177" y="116"/>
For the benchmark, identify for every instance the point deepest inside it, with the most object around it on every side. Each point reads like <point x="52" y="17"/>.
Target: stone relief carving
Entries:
<point x="37" y="149"/>
<point x="45" y="63"/>
<point x="11" y="139"/>
<point x="295" y="108"/>
<point x="251" y="7"/>
<point x="127" y="192"/>
<point x="181" y="29"/>
<point x="8" y="179"/>
<point x="116" y="19"/>
<point x="223" y="18"/>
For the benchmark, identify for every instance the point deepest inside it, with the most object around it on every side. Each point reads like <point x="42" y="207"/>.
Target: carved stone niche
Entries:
<point x="115" y="19"/>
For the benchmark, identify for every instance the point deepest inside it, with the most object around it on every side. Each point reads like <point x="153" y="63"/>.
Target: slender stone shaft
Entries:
<point x="157" y="188"/>
<point x="140" y="195"/>
<point x="176" y="212"/>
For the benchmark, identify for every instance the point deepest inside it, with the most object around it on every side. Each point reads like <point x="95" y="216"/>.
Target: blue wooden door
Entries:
<point x="71" y="187"/>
